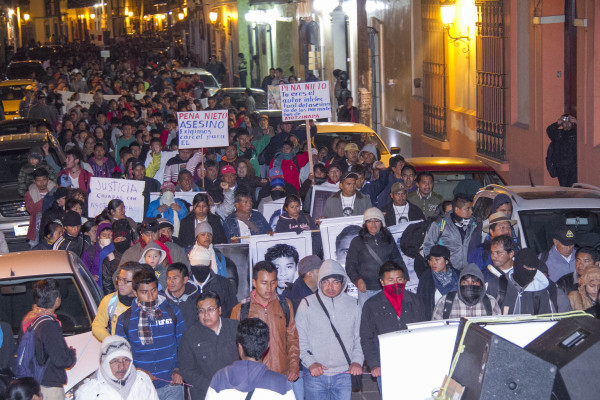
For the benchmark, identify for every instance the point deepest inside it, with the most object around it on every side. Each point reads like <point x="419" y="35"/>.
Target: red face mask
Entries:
<point x="394" y="294"/>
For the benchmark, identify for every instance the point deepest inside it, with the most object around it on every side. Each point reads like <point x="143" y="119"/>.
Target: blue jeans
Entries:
<point x="170" y="392"/>
<point x="328" y="387"/>
<point x="298" y="386"/>
<point x="363" y="297"/>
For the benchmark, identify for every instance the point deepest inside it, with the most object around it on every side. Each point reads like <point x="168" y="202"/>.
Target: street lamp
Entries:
<point x="26" y="17"/>
<point x="448" y="12"/>
<point x="181" y="16"/>
<point x="213" y="17"/>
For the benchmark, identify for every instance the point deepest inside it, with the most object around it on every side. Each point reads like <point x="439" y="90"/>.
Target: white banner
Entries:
<point x="201" y="129"/>
<point x="103" y="190"/>
<point x="86" y="99"/>
<point x="300" y="101"/>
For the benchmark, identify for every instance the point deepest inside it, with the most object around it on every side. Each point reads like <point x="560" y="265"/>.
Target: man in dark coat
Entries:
<point x="399" y="209"/>
<point x="152" y="185"/>
<point x="563" y="135"/>
<point x="306" y="284"/>
<point x="182" y="293"/>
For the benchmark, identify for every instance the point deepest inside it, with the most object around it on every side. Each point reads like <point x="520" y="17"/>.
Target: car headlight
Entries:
<point x="71" y="393"/>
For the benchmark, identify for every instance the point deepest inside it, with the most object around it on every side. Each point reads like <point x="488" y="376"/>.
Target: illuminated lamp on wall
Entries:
<point x="448" y="12"/>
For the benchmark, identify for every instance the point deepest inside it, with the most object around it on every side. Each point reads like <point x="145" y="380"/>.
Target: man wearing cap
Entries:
<point x="503" y="204"/>
<point x="277" y="189"/>
<point x="151" y="184"/>
<point x="172" y="209"/>
<point x="229" y="176"/>
<point x="41" y="110"/>
<point x="348" y="113"/>
<point x="388" y="177"/>
<point x="34" y="200"/>
<point x="25" y="103"/>
<point x="117" y="377"/>
<point x="351" y="155"/>
<point x="424" y="197"/>
<point x="72" y="238"/>
<point x="329" y="366"/>
<point x="498" y="224"/>
<point x="348" y="201"/>
<point x="527" y="291"/>
<point x="399" y="209"/>
<point x="308" y="272"/>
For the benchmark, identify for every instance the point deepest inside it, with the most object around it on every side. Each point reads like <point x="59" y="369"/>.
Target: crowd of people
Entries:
<point x="171" y="322"/>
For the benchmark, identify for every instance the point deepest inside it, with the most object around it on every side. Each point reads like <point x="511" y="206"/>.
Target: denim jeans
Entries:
<point x="170" y="392"/>
<point x="328" y="387"/>
<point x="363" y="297"/>
<point x="298" y="386"/>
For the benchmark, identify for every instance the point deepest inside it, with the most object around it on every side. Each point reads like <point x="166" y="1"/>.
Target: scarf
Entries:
<point x="166" y="249"/>
<point x="280" y="157"/>
<point x="123" y="387"/>
<point x="148" y="311"/>
<point x="445" y="282"/>
<point x="167" y="199"/>
<point x="100" y="258"/>
<point x="204" y="256"/>
<point x="394" y="293"/>
<point x="245" y="220"/>
<point x="462" y="223"/>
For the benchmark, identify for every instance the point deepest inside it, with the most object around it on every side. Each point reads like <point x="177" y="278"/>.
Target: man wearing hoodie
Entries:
<point x="72" y="239"/>
<point x="182" y="293"/>
<point x="470" y="300"/>
<point x="249" y="377"/>
<point x="35" y="160"/>
<point x="117" y="377"/>
<point x="330" y="360"/>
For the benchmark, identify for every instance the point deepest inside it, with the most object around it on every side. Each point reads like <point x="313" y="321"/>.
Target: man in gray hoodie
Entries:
<point x="320" y="316"/>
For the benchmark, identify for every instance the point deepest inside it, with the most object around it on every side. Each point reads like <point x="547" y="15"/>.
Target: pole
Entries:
<point x="19" y="25"/>
<point x="203" y="170"/>
<point x="309" y="149"/>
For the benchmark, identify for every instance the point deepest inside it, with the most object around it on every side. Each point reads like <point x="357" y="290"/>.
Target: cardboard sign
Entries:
<point x="200" y="129"/>
<point x="300" y="101"/>
<point x="103" y="190"/>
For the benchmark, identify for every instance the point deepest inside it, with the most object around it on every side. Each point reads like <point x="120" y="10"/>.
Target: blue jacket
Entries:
<point x="231" y="227"/>
<point x="168" y="214"/>
<point x="160" y="357"/>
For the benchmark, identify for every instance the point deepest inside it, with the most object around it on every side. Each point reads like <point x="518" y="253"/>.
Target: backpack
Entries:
<point x="27" y="363"/>
<point x="413" y="236"/>
<point x="245" y="309"/>
<point x="127" y="316"/>
<point x="550" y="162"/>
<point x="450" y="302"/>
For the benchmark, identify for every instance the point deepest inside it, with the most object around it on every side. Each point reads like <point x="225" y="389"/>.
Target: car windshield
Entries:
<point x="539" y="226"/>
<point x="16" y="300"/>
<point x="208" y="80"/>
<point x="11" y="162"/>
<point x="15" y="92"/>
<point x="325" y="139"/>
<point x="449" y="183"/>
<point x="24" y="71"/>
<point x="239" y="100"/>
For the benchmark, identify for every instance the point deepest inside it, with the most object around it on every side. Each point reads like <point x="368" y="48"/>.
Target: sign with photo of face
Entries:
<point x="397" y="231"/>
<point x="238" y="254"/>
<point x="284" y="250"/>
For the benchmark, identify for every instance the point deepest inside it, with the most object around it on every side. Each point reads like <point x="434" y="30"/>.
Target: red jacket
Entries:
<point x="291" y="173"/>
<point x="83" y="179"/>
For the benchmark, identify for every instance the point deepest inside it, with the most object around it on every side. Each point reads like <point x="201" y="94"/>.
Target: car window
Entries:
<point x="325" y="139"/>
<point x="238" y="100"/>
<point x="25" y="71"/>
<point x="16" y="300"/>
<point x="208" y="80"/>
<point x="450" y="183"/>
<point x="82" y="272"/>
<point x="11" y="162"/>
<point x="16" y="92"/>
<point x="539" y="226"/>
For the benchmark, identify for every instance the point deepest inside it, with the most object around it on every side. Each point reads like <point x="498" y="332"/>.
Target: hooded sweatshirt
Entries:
<point x="532" y="299"/>
<point x="244" y="376"/>
<point x="160" y="270"/>
<point x="460" y="308"/>
<point x="317" y="341"/>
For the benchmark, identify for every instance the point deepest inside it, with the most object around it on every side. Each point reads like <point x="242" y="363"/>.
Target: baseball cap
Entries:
<point x="149" y="225"/>
<point x="227" y="169"/>
<point x="565" y="235"/>
<point x="351" y="147"/>
<point x="275" y="173"/>
<point x="398" y="187"/>
<point x="349" y="174"/>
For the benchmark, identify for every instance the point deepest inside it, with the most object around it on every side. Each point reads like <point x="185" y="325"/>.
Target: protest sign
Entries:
<point x="86" y="99"/>
<point x="200" y="129"/>
<point x="103" y="190"/>
<point x="305" y="101"/>
<point x="274" y="97"/>
<point x="185" y="196"/>
<point x="397" y="231"/>
<point x="319" y="197"/>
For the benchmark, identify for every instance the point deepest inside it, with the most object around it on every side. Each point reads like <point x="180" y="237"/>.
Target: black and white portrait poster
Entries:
<point x="336" y="234"/>
<point x="284" y="250"/>
<point x="271" y="210"/>
<point x="318" y="199"/>
<point x="397" y="231"/>
<point x="239" y="255"/>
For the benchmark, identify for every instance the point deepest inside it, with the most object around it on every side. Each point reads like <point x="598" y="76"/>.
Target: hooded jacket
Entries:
<point x="446" y="233"/>
<point x="186" y="302"/>
<point x="533" y="299"/>
<point x="318" y="344"/>
<point x="135" y="252"/>
<point x="241" y="377"/>
<point x="459" y="307"/>
<point x="160" y="270"/>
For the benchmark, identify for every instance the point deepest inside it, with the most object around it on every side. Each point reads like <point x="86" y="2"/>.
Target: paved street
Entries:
<point x="370" y="390"/>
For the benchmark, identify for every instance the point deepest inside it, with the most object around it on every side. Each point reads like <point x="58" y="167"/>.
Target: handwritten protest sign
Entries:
<point x="305" y="101"/>
<point x="200" y="129"/>
<point x="103" y="190"/>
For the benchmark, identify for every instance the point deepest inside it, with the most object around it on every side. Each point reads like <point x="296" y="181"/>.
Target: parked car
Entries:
<point x="80" y="298"/>
<point x="453" y="175"/>
<point x="539" y="210"/>
<point x="30" y="69"/>
<point x="206" y="77"/>
<point x="11" y="94"/>
<point x="14" y="148"/>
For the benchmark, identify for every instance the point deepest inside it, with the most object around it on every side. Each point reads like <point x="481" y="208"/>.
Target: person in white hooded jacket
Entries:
<point x="117" y="377"/>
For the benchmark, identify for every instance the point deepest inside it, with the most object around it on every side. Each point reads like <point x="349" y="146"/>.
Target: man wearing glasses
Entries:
<point x="116" y="377"/>
<point x="207" y="346"/>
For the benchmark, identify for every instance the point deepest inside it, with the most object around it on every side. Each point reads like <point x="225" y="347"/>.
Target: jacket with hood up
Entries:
<point x="318" y="344"/>
<point x="533" y="299"/>
<point x="459" y="307"/>
<point x="160" y="270"/>
<point x="446" y="233"/>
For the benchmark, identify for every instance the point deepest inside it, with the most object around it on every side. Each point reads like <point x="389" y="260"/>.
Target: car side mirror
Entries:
<point x="395" y="150"/>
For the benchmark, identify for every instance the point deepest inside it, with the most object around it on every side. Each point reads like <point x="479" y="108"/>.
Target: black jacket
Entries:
<point x="187" y="237"/>
<point x="224" y="287"/>
<point x="152" y="185"/>
<point x="50" y="347"/>
<point x="186" y="303"/>
<point x="296" y="292"/>
<point x="360" y="263"/>
<point x="379" y="317"/>
<point x="202" y="353"/>
<point x="108" y="270"/>
<point x="414" y="213"/>
<point x="426" y="292"/>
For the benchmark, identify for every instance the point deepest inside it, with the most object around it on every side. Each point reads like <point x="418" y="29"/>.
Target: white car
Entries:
<point x="540" y="210"/>
<point x="80" y="297"/>
<point x="210" y="82"/>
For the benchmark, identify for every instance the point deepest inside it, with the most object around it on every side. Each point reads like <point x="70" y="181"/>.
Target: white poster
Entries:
<point x="397" y="231"/>
<point x="86" y="99"/>
<point x="103" y="190"/>
<point x="300" y="101"/>
<point x="201" y="129"/>
<point x="284" y="250"/>
<point x="185" y="196"/>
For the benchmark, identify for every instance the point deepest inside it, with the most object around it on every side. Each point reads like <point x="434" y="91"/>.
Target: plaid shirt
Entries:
<point x="460" y="309"/>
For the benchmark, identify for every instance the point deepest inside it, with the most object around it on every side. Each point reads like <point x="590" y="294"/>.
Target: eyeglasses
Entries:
<point x="123" y="281"/>
<point x="209" y="310"/>
<point x="123" y="361"/>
